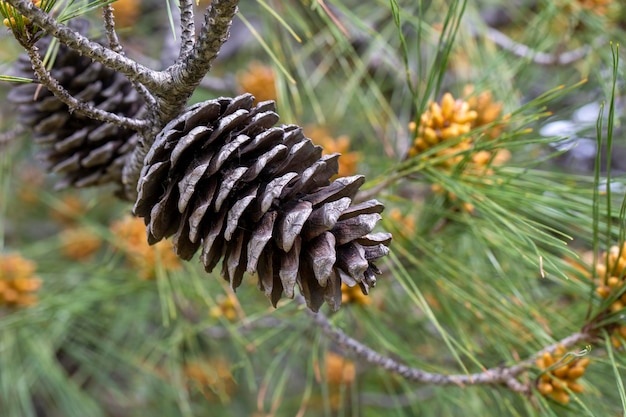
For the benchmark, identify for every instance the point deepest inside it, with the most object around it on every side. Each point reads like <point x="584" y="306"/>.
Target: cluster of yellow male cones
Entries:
<point x="610" y="273"/>
<point x="559" y="379"/>
<point x="258" y="80"/>
<point x="451" y="121"/>
<point x="212" y="377"/>
<point x="18" y="283"/>
<point x="226" y="307"/>
<point x="14" y="19"/>
<point x="354" y="295"/>
<point x="337" y="371"/>
<point x="131" y="234"/>
<point x="600" y="7"/>
<point x="126" y="12"/>
<point x="452" y="118"/>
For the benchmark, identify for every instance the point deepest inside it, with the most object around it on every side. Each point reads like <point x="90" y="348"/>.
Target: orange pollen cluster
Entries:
<point x="403" y="224"/>
<point x="596" y="6"/>
<point x="212" y="377"/>
<point x="68" y="210"/>
<point x="126" y="12"/>
<point x="610" y="272"/>
<point x="131" y="234"/>
<point x="448" y="120"/>
<point x="487" y="110"/>
<point x="348" y="160"/>
<point x="337" y="370"/>
<point x="258" y="80"/>
<point x="354" y="295"/>
<point x="79" y="243"/>
<point x="452" y="119"/>
<point x="226" y="307"/>
<point x="17" y="281"/>
<point x="560" y="380"/>
<point x="13" y="21"/>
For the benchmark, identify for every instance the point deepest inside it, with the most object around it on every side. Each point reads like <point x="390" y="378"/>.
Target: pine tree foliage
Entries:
<point x="491" y="132"/>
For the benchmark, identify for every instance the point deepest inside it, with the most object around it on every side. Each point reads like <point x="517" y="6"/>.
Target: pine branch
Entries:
<point x="173" y="86"/>
<point x="171" y="48"/>
<point x="188" y="74"/>
<point x="114" y="44"/>
<point x="75" y="105"/>
<point x="503" y="375"/>
<point x="154" y="80"/>
<point x="187" y="30"/>
<point x="6" y="138"/>
<point x="109" y="29"/>
<point x="541" y="58"/>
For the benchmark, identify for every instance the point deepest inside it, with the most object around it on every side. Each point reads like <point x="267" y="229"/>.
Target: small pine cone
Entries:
<point x="222" y="178"/>
<point x="84" y="152"/>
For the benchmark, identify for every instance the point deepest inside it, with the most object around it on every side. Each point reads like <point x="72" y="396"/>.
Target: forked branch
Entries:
<point x="154" y="80"/>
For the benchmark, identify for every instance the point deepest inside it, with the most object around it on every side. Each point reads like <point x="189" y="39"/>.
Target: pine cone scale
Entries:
<point x="200" y="209"/>
<point x="225" y="153"/>
<point x="341" y="187"/>
<point x="259" y="239"/>
<point x="233" y="266"/>
<point x="150" y="187"/>
<point x="263" y="161"/>
<point x="184" y="247"/>
<point x="161" y="224"/>
<point x="366" y="207"/>
<point x="236" y="211"/>
<point x="290" y="268"/>
<point x="351" y="258"/>
<point x="188" y="183"/>
<point x="196" y="134"/>
<point x="99" y="155"/>
<point x="213" y="244"/>
<point x="322" y="255"/>
<point x="290" y="224"/>
<point x="353" y="228"/>
<point x="262" y="141"/>
<point x="272" y="190"/>
<point x="227" y="184"/>
<point x="51" y="123"/>
<point x="72" y="141"/>
<point x="325" y="217"/>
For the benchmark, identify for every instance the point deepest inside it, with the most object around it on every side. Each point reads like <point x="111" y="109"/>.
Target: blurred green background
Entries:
<point x="493" y="259"/>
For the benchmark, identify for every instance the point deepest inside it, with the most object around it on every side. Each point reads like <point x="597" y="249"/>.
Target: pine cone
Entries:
<point x="222" y="177"/>
<point x="83" y="151"/>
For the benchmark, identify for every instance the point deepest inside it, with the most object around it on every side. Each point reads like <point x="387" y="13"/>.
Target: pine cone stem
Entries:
<point x="132" y="171"/>
<point x="114" y="44"/>
<point x="75" y="105"/>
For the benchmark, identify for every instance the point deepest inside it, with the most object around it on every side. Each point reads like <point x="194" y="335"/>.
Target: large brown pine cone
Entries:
<point x="222" y="178"/>
<point x="84" y="152"/>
